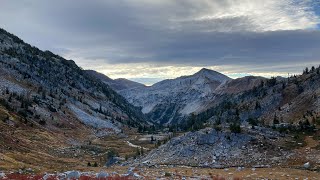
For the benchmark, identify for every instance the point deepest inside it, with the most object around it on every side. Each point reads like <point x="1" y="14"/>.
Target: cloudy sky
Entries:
<point x="150" y="40"/>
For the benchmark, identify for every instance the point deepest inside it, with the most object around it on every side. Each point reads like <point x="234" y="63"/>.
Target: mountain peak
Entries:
<point x="206" y="70"/>
<point x="211" y="74"/>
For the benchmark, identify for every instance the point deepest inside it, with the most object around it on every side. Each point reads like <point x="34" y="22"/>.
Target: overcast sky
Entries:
<point x="150" y="40"/>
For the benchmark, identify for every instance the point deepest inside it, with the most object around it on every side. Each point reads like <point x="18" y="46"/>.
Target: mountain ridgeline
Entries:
<point x="45" y="88"/>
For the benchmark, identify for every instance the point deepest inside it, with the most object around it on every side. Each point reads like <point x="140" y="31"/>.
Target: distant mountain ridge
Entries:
<point x="115" y="84"/>
<point x="172" y="100"/>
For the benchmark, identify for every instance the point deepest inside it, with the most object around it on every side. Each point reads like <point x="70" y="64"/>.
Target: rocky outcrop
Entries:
<point x="211" y="148"/>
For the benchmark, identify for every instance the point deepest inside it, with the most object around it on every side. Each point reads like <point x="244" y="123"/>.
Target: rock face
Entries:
<point x="211" y="148"/>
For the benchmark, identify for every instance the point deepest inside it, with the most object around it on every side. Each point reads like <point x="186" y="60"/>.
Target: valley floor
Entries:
<point x="32" y="151"/>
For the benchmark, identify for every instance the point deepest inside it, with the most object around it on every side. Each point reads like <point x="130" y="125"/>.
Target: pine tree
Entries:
<point x="312" y="69"/>
<point x="137" y="152"/>
<point x="257" y="106"/>
<point x="100" y="109"/>
<point x="235" y="128"/>
<point x="275" y="120"/>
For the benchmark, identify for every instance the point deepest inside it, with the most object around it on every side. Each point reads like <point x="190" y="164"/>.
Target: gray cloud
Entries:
<point x="170" y="32"/>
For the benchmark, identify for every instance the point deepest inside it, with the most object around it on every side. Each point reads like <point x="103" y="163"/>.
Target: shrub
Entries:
<point x="23" y="113"/>
<point x="42" y="122"/>
<point x="235" y="128"/>
<point x="252" y="122"/>
<point x="5" y="119"/>
<point x="112" y="153"/>
<point x="217" y="127"/>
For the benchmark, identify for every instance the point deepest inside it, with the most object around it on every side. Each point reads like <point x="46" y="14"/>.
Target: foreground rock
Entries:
<point x="2" y="175"/>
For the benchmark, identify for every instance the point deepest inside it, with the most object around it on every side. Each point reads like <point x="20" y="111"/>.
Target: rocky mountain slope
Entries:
<point x="55" y="115"/>
<point x="46" y="88"/>
<point x="290" y="101"/>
